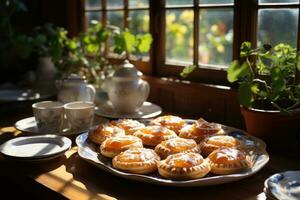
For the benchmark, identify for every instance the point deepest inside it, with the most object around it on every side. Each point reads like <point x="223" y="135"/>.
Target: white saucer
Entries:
<point x="285" y="185"/>
<point x="35" y="147"/>
<point x="14" y="95"/>
<point x="29" y="125"/>
<point x="148" y="110"/>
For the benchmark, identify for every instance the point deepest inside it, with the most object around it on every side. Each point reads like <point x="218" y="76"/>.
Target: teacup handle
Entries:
<point x="91" y="91"/>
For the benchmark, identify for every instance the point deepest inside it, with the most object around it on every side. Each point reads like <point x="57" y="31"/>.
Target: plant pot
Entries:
<point x="276" y="128"/>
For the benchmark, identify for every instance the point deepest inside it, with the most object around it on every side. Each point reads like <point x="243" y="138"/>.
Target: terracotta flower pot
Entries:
<point x="277" y="129"/>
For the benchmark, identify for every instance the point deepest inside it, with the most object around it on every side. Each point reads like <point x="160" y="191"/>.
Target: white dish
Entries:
<point x="148" y="110"/>
<point x="29" y="125"/>
<point x="284" y="186"/>
<point x="22" y="95"/>
<point x="89" y="152"/>
<point x="35" y="147"/>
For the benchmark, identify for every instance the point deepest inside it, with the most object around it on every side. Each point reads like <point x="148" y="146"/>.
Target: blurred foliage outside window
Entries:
<point x="215" y="36"/>
<point x="215" y="27"/>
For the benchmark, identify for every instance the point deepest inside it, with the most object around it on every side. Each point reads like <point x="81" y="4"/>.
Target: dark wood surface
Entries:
<point x="74" y="178"/>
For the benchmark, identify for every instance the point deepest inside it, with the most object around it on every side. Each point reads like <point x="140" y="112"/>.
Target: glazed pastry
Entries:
<point x="128" y="125"/>
<point x="136" y="160"/>
<point x="115" y="145"/>
<point x="153" y="135"/>
<point x="173" y="123"/>
<point x="104" y="131"/>
<point x="214" y="142"/>
<point x="200" y="130"/>
<point x="176" y="145"/>
<point x="183" y="166"/>
<point x="227" y="160"/>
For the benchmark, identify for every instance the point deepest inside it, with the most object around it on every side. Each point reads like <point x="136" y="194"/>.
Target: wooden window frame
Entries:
<point x="244" y="26"/>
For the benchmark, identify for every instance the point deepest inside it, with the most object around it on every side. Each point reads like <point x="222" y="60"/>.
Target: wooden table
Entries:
<point x="73" y="178"/>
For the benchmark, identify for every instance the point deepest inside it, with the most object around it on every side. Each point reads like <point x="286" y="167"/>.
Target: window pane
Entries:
<point x="139" y="21"/>
<point x="277" y="25"/>
<point x="92" y="16"/>
<point x="179" y="35"/>
<point x="278" y="1"/>
<point x="115" y="4"/>
<point x="138" y="3"/>
<point x="178" y="2"/>
<point x="216" y="1"/>
<point x="93" y="3"/>
<point x="216" y="36"/>
<point x="115" y="18"/>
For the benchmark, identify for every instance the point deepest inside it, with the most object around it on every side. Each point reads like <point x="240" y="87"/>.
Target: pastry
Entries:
<point x="185" y="165"/>
<point x="128" y="125"/>
<point x="136" y="160"/>
<point x="227" y="160"/>
<point x="176" y="145"/>
<point x="153" y="135"/>
<point x="200" y="129"/>
<point x="214" y="142"/>
<point x="173" y="123"/>
<point x="104" y="131"/>
<point x="114" y="145"/>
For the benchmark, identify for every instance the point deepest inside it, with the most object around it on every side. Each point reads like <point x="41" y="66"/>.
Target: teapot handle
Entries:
<point x="147" y="89"/>
<point x="91" y="91"/>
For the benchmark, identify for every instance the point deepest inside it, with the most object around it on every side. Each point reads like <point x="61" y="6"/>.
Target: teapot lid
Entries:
<point x="127" y="70"/>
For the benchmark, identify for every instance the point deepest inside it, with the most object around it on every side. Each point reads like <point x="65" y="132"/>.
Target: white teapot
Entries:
<point x="74" y="88"/>
<point x="126" y="90"/>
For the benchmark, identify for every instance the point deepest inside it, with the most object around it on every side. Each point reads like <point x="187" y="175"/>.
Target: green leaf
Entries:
<point x="129" y="39"/>
<point x="120" y="45"/>
<point x="259" y="87"/>
<point x="235" y="71"/>
<point x="298" y="61"/>
<point x="245" y="49"/>
<point x="187" y="70"/>
<point x="245" y="94"/>
<point x="297" y="91"/>
<point x="72" y="44"/>
<point x="144" y="42"/>
<point x="278" y="82"/>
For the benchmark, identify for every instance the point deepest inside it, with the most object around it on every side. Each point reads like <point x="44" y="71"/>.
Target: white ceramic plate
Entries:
<point x="148" y="110"/>
<point x="35" y="147"/>
<point x="22" y="95"/>
<point x="285" y="185"/>
<point x="89" y="152"/>
<point x="29" y="125"/>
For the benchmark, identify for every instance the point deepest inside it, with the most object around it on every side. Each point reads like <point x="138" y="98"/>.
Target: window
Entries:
<point x="278" y="21"/>
<point x="200" y="32"/>
<point x="206" y="33"/>
<point x="132" y="14"/>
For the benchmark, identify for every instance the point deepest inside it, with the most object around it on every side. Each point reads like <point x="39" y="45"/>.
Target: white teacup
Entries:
<point x="49" y="116"/>
<point x="79" y="115"/>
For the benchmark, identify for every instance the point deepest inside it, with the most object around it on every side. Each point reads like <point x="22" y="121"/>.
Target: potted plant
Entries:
<point x="268" y="91"/>
<point x="85" y="54"/>
<point x="48" y="44"/>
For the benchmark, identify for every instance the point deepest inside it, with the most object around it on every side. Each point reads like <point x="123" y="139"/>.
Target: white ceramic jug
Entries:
<point x="75" y="88"/>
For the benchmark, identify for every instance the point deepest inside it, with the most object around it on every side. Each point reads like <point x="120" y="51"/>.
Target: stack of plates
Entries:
<point x="283" y="186"/>
<point x="35" y="148"/>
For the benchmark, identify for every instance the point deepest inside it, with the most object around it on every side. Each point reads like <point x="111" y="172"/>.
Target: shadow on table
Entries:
<point x="100" y="182"/>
